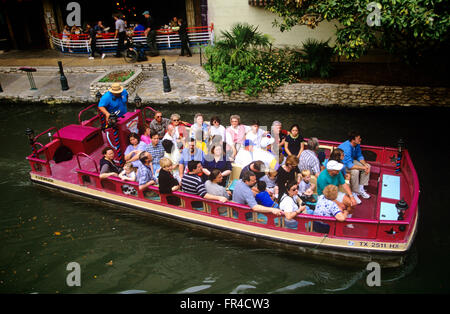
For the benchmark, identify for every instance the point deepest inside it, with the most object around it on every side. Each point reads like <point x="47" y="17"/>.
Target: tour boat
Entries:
<point x="382" y="228"/>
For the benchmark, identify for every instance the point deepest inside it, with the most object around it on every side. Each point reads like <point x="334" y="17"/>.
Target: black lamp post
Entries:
<point x="401" y="146"/>
<point x="166" y="80"/>
<point x="30" y="134"/>
<point x="98" y="96"/>
<point x="137" y="102"/>
<point x="63" y="79"/>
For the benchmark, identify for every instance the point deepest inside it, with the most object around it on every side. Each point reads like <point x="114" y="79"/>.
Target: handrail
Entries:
<point x="84" y="110"/>
<point x="48" y="130"/>
<point x="415" y="178"/>
<point x="85" y="155"/>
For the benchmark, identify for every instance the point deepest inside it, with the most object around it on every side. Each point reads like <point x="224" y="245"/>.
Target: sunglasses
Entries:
<point x="175" y="120"/>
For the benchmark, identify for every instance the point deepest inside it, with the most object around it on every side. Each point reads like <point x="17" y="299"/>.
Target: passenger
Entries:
<point x="244" y="155"/>
<point x="270" y="179"/>
<point x="327" y="205"/>
<point x="199" y="130"/>
<point x="167" y="182"/>
<point x="191" y="182"/>
<point x="255" y="134"/>
<point x="144" y="175"/>
<point x="114" y="101"/>
<point x="355" y="163"/>
<point x="294" y="142"/>
<point x="332" y="175"/>
<point x="287" y="172"/>
<point x="243" y="194"/>
<point x="180" y="129"/>
<point x="235" y="134"/>
<point x="305" y="186"/>
<point x="216" y="130"/>
<point x="291" y="204"/>
<point x="263" y="197"/>
<point x="214" y="185"/>
<point x="146" y="136"/>
<point x="308" y="158"/>
<point x="156" y="149"/>
<point x="128" y="173"/>
<point x="174" y="155"/>
<point x="159" y="124"/>
<point x="107" y="166"/>
<point x="134" y="149"/>
<point x="264" y="154"/>
<point x="217" y="160"/>
<point x="257" y="167"/>
<point x="170" y="135"/>
<point x="189" y="153"/>
<point x="277" y="134"/>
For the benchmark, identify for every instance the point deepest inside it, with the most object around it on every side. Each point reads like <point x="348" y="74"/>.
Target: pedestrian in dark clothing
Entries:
<point x="93" y="42"/>
<point x="150" y="33"/>
<point x="121" y="34"/>
<point x="182" y="32"/>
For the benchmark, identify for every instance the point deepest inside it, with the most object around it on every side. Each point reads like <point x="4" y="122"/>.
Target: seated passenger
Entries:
<point x="114" y="101"/>
<point x="287" y="172"/>
<point x="189" y="153"/>
<point x="216" y="131"/>
<point x="262" y="153"/>
<point x="214" y="184"/>
<point x="333" y="176"/>
<point x="309" y="159"/>
<point x="355" y="163"/>
<point x="156" y="149"/>
<point x="217" y="160"/>
<point x="144" y="175"/>
<point x="146" y="136"/>
<point x="270" y="179"/>
<point x="128" y="173"/>
<point x="244" y="155"/>
<point x="159" y="124"/>
<point x="191" y="182"/>
<point x="134" y="149"/>
<point x="257" y="167"/>
<point x="199" y="130"/>
<point x="305" y="187"/>
<point x="263" y="197"/>
<point x="243" y="194"/>
<point x="294" y="142"/>
<point x="172" y="153"/>
<point x="290" y="204"/>
<point x="180" y="134"/>
<point x="327" y="205"/>
<point x="235" y="133"/>
<point x="255" y="134"/>
<point x="107" y="166"/>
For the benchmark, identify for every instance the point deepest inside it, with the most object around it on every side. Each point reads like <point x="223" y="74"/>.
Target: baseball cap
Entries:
<point x="334" y="165"/>
<point x="146" y="12"/>
<point x="266" y="141"/>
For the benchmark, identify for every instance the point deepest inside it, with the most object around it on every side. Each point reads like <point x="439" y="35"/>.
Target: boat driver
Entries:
<point x="114" y="101"/>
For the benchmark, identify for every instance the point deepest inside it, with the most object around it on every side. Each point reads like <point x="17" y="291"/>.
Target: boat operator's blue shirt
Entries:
<point x="115" y="105"/>
<point x="350" y="153"/>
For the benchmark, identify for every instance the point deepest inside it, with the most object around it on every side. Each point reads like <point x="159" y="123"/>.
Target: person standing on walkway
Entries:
<point x="150" y="33"/>
<point x="182" y="32"/>
<point x="120" y="33"/>
<point x="93" y="42"/>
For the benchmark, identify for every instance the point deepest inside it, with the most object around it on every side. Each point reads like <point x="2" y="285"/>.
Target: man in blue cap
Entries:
<point x="150" y="33"/>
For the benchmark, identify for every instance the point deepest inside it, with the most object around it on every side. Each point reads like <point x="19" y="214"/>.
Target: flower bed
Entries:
<point x="128" y="78"/>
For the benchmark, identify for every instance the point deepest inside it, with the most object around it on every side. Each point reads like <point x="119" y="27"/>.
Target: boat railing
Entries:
<point x="90" y="121"/>
<point x="40" y="157"/>
<point x="353" y="228"/>
<point x="81" y="154"/>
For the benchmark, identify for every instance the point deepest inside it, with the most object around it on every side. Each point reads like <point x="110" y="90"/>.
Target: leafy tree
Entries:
<point x="411" y="29"/>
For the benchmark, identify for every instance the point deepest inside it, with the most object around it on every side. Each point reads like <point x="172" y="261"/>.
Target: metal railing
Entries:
<point x="165" y="40"/>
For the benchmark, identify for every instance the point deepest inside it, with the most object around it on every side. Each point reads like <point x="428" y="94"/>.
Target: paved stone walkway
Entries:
<point x="80" y="72"/>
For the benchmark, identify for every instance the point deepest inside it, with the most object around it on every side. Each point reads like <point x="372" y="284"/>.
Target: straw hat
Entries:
<point x="116" y="88"/>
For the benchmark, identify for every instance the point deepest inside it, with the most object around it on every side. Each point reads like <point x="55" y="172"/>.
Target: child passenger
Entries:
<point x="270" y="179"/>
<point x="262" y="197"/>
<point x="128" y="173"/>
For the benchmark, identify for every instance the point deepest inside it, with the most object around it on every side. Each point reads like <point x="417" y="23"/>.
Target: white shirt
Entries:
<point x="288" y="204"/>
<point x="243" y="158"/>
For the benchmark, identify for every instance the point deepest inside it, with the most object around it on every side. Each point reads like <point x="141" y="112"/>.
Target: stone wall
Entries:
<point x="348" y="95"/>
